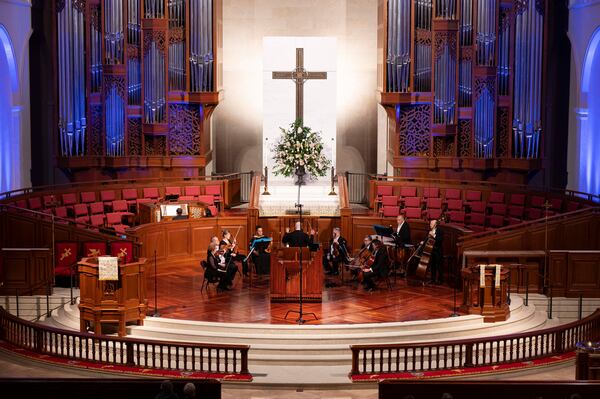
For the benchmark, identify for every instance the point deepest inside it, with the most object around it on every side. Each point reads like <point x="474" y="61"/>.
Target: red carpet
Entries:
<point x="547" y="361"/>
<point x="137" y="371"/>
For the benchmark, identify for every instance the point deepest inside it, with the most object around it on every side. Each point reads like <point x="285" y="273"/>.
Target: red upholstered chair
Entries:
<point x="515" y="214"/>
<point x="87" y="197"/>
<point x="431" y="192"/>
<point x="452" y="193"/>
<point x="477" y="207"/>
<point x="22" y="204"/>
<point x="433" y="208"/>
<point x="130" y="195"/>
<point x="114" y="220"/>
<point x="556" y="205"/>
<point x="81" y="213"/>
<point x="496" y="198"/>
<point x="69" y="199"/>
<point x="93" y="249"/>
<point x="213" y="210"/>
<point x="207" y="199"/>
<point x="381" y="192"/>
<point x="35" y="204"/>
<point x="498" y="209"/>
<point x="517" y="199"/>
<point x="215" y="191"/>
<point x="172" y="191"/>
<point x="61" y="212"/>
<point x="472" y="196"/>
<point x="476" y="221"/>
<point x="454" y="205"/>
<point x="456" y="217"/>
<point x="97" y="220"/>
<point x="151" y="193"/>
<point x="49" y="201"/>
<point x="407" y="192"/>
<point x="389" y="200"/>
<point x="412" y="202"/>
<point x="536" y="201"/>
<point x="191" y="193"/>
<point x="534" y="213"/>
<point x="96" y="208"/>
<point x="120" y="206"/>
<point x="123" y="250"/>
<point x="572" y="206"/>
<point x="413" y="213"/>
<point x="391" y="211"/>
<point x="107" y="197"/>
<point x="495" y="221"/>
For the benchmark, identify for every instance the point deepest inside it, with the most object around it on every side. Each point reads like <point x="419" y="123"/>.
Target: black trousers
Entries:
<point x="435" y="264"/>
<point x="332" y="263"/>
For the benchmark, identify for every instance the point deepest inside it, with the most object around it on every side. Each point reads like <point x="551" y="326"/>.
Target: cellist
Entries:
<point x="337" y="253"/>
<point x="435" y="261"/>
<point x="376" y="267"/>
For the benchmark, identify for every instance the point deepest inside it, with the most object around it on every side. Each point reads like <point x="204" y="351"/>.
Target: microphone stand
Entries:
<point x="300" y="173"/>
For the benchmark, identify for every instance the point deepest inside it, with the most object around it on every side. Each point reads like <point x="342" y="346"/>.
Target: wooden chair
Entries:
<point x="208" y="277"/>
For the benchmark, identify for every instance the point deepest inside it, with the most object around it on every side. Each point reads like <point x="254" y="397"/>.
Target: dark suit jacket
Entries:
<point x="296" y="238"/>
<point x="381" y="264"/>
<point x="180" y="217"/>
<point x="343" y="247"/>
<point x="439" y="239"/>
<point x="403" y="237"/>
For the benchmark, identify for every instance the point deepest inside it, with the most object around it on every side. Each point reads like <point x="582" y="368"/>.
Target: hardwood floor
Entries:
<point x="179" y="297"/>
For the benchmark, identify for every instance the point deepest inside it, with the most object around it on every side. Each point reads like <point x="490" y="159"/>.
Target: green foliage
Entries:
<point x="300" y="146"/>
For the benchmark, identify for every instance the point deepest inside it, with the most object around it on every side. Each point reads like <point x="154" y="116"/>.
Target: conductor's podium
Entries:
<point x="285" y="275"/>
<point x="111" y="301"/>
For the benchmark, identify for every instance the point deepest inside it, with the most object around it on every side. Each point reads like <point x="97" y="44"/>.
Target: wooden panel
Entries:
<point x="29" y="271"/>
<point x="178" y="241"/>
<point x="584" y="272"/>
<point x="201" y="236"/>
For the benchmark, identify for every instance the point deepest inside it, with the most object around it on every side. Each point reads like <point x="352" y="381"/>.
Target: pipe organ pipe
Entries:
<point x="201" y="50"/>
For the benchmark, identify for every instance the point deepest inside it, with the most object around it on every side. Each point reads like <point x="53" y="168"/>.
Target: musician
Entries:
<point x="217" y="266"/>
<point x="232" y="251"/>
<point x="379" y="266"/>
<point x="401" y="234"/>
<point x="297" y="238"/>
<point x="337" y="253"/>
<point x="366" y="249"/>
<point x="435" y="261"/>
<point x="260" y="257"/>
<point x="180" y="215"/>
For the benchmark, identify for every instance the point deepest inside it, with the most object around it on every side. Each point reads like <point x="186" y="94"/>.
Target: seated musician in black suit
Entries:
<point x="217" y="268"/>
<point x="435" y="260"/>
<point x="297" y="238"/>
<point x="336" y="254"/>
<point x="180" y="215"/>
<point x="378" y="268"/>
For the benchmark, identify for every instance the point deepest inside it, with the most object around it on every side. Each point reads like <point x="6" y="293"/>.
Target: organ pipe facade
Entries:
<point x="137" y="78"/>
<point x="461" y="81"/>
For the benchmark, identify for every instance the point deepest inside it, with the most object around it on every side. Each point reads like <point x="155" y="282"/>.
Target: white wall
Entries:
<point x="15" y="18"/>
<point x="238" y="118"/>
<point x="584" y="25"/>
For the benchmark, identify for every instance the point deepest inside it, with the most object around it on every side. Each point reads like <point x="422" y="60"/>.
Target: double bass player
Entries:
<point x="435" y="261"/>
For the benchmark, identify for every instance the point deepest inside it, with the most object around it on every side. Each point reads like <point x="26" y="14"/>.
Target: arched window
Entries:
<point x="9" y="126"/>
<point x="589" y="127"/>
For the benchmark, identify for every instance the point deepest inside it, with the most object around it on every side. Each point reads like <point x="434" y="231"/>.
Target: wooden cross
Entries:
<point x="299" y="75"/>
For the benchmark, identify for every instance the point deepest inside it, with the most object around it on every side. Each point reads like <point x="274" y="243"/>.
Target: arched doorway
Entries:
<point x="9" y="133"/>
<point x="589" y="127"/>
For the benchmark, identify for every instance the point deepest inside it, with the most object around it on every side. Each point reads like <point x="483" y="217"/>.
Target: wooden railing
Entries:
<point x="108" y="350"/>
<point x="478" y="352"/>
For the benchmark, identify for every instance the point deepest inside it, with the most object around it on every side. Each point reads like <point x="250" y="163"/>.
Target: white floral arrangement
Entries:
<point x="300" y="146"/>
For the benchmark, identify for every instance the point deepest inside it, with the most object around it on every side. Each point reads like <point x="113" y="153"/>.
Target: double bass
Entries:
<point x="423" y="252"/>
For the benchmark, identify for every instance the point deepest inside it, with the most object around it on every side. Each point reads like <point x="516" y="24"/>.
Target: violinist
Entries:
<point x="337" y="253"/>
<point x="232" y="251"/>
<point x="217" y="266"/>
<point x="435" y="261"/>
<point x="377" y="266"/>
<point x="259" y="256"/>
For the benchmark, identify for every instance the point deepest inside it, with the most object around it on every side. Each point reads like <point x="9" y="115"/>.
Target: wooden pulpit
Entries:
<point x="486" y="294"/>
<point x="285" y="275"/>
<point x="112" y="301"/>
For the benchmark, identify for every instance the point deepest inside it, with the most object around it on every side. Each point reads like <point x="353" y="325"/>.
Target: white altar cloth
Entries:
<point x="315" y="199"/>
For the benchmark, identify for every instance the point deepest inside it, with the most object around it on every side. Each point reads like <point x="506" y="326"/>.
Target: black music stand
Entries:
<point x="300" y="173"/>
<point x="383" y="231"/>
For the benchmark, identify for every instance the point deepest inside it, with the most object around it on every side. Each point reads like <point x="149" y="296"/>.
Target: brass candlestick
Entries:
<point x="266" y="190"/>
<point x="332" y="192"/>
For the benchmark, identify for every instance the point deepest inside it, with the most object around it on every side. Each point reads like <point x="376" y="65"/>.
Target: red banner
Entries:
<point x="66" y="257"/>
<point x="94" y="249"/>
<point x="123" y="250"/>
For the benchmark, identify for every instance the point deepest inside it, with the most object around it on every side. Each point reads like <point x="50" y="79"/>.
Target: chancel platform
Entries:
<point x="315" y="199"/>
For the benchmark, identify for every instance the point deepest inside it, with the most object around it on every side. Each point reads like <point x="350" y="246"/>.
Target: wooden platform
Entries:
<point x="179" y="297"/>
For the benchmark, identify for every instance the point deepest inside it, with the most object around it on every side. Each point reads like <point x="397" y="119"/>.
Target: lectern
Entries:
<point x="485" y="291"/>
<point x="112" y="301"/>
<point x="285" y="276"/>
